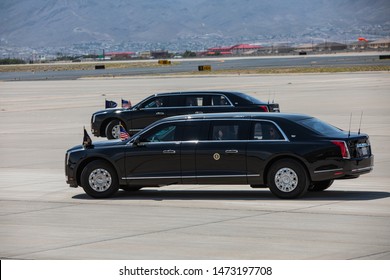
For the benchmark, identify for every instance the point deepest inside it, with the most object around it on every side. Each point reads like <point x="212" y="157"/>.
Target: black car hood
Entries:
<point x="99" y="144"/>
<point x="110" y="111"/>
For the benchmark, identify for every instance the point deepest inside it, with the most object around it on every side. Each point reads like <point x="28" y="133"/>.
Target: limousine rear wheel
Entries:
<point x="99" y="179"/>
<point x="287" y="178"/>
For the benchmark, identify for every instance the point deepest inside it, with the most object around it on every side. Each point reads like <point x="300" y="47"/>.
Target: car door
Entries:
<point x="151" y="110"/>
<point x="154" y="157"/>
<point x="266" y="141"/>
<point x="222" y="158"/>
<point x="193" y="131"/>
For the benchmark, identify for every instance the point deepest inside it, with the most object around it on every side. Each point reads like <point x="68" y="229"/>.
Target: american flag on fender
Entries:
<point x="110" y="104"/>
<point x="123" y="135"/>
<point x="126" y="104"/>
<point x="87" y="141"/>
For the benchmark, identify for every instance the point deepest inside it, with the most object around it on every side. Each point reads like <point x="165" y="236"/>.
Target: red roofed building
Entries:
<point x="245" y="49"/>
<point x="219" y="51"/>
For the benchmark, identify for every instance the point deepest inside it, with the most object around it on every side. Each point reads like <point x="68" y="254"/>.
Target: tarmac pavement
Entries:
<point x="42" y="218"/>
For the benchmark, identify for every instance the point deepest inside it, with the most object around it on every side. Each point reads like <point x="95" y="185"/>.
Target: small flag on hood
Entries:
<point x="87" y="141"/>
<point x="126" y="104"/>
<point x="110" y="104"/>
<point x="123" y="135"/>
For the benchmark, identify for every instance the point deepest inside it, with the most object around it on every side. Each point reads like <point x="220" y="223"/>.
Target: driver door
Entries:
<point x="155" y="157"/>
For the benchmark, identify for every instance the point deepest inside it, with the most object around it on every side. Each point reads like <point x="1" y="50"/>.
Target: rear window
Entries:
<point x="249" y="98"/>
<point x="321" y="127"/>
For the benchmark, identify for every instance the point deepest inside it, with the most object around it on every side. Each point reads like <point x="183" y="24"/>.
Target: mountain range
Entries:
<point x="41" y="23"/>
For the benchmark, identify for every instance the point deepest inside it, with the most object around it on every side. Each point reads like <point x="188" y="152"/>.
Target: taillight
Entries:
<point x="264" y="108"/>
<point x="343" y="148"/>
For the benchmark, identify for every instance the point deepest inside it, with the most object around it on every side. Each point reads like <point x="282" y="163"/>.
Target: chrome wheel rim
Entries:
<point x="100" y="180"/>
<point x="286" y="180"/>
<point x="115" y="131"/>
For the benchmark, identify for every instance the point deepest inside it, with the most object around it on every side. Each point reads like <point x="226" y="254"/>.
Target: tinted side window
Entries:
<point x="220" y="100"/>
<point x="192" y="100"/>
<point x="156" y="102"/>
<point x="228" y="130"/>
<point x="161" y="133"/>
<point x="192" y="130"/>
<point x="265" y="131"/>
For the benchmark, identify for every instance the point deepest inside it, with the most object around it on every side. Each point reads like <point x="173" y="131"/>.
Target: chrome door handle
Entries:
<point x="198" y="112"/>
<point x="160" y="114"/>
<point x="231" y="151"/>
<point x="169" y="152"/>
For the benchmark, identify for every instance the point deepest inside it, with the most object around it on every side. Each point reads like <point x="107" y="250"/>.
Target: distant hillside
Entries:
<point x="63" y="22"/>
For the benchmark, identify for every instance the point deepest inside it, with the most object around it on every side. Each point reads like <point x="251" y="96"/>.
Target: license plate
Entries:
<point x="363" y="151"/>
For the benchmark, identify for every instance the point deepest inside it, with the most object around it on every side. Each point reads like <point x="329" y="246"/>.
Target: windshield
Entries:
<point x="321" y="127"/>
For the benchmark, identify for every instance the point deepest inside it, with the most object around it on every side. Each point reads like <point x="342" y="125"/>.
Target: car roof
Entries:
<point x="241" y="115"/>
<point x="200" y="92"/>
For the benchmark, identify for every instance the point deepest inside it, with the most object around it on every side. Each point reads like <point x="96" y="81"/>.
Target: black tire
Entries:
<point x="112" y="130"/>
<point x="287" y="178"/>
<point x="99" y="179"/>
<point x="320" y="186"/>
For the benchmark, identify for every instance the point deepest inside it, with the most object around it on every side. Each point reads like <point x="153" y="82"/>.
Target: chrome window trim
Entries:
<point x="184" y="106"/>
<point x="286" y="139"/>
<point x="277" y="126"/>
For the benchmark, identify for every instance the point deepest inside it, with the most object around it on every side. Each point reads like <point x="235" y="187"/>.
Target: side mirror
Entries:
<point x="138" y="142"/>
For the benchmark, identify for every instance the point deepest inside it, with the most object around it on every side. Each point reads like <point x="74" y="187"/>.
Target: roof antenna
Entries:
<point x="349" y="130"/>
<point x="273" y="100"/>
<point x="360" y="124"/>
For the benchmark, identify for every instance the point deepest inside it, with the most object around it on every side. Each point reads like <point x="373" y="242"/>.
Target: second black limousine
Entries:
<point x="288" y="153"/>
<point x="105" y="123"/>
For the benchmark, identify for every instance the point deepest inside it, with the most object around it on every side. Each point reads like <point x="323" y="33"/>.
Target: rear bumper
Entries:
<point x="345" y="169"/>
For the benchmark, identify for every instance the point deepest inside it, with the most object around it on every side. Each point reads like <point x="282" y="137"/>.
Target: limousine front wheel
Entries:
<point x="287" y="178"/>
<point x="99" y="179"/>
<point x="112" y="129"/>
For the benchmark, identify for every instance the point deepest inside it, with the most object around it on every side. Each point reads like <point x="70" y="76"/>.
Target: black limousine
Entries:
<point x="287" y="153"/>
<point x="105" y="123"/>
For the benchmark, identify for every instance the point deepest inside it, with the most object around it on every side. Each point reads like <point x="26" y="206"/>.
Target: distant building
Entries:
<point x="380" y="44"/>
<point x="145" y="54"/>
<point x="218" y="51"/>
<point x="241" y="49"/>
<point x="330" y="46"/>
<point x="119" y="55"/>
<point x="245" y="49"/>
<point x="160" y="54"/>
<point x="305" y="48"/>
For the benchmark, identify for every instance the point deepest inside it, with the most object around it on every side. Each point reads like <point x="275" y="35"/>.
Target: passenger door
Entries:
<point x="154" y="158"/>
<point x="151" y="110"/>
<point x="266" y="141"/>
<point x="222" y="158"/>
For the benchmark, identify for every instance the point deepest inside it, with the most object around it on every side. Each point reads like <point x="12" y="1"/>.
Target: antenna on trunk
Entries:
<point x="360" y="123"/>
<point x="349" y="130"/>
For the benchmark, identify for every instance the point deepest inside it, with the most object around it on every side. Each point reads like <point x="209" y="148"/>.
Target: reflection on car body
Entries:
<point x="105" y="123"/>
<point x="300" y="156"/>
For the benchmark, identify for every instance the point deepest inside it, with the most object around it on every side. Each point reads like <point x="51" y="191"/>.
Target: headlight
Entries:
<point x="67" y="158"/>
